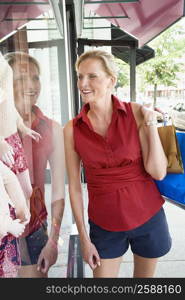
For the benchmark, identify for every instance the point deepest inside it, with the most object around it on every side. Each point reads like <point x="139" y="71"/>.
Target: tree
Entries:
<point x="162" y="71"/>
<point x="164" y="68"/>
<point x="123" y="73"/>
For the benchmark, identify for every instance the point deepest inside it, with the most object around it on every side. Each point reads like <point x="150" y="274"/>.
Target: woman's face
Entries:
<point x="26" y="85"/>
<point x="93" y="82"/>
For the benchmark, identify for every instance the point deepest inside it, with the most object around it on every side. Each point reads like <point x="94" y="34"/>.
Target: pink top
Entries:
<point x="122" y="195"/>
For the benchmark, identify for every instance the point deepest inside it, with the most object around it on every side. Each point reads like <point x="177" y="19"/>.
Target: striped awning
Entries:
<point x="14" y="14"/>
<point x="144" y="19"/>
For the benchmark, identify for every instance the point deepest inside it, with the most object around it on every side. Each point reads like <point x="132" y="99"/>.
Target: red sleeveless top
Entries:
<point x="38" y="154"/>
<point x="122" y="195"/>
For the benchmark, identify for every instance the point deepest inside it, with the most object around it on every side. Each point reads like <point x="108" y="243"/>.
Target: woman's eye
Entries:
<point x="36" y="78"/>
<point x="19" y="79"/>
<point x="92" y="76"/>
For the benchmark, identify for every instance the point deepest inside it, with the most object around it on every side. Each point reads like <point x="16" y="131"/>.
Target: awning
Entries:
<point x="14" y="14"/>
<point x="142" y="54"/>
<point x="144" y="19"/>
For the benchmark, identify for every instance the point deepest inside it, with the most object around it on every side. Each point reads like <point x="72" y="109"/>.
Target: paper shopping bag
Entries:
<point x="171" y="148"/>
<point x="173" y="185"/>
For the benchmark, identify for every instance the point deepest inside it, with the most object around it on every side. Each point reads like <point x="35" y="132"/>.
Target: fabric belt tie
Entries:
<point x="110" y="179"/>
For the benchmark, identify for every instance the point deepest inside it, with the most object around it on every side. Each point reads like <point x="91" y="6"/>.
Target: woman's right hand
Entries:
<point x="90" y="254"/>
<point x="6" y="153"/>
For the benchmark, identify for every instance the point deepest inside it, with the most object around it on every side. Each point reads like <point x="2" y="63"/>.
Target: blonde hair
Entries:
<point x="13" y="57"/>
<point x="106" y="59"/>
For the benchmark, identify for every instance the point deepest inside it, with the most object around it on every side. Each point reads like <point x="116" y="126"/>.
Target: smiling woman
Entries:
<point x="119" y="146"/>
<point x="26" y="82"/>
<point x="93" y="82"/>
<point x="39" y="249"/>
<point x="96" y="79"/>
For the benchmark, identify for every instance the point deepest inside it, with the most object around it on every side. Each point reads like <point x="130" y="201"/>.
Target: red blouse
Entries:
<point x="122" y="195"/>
<point x="38" y="154"/>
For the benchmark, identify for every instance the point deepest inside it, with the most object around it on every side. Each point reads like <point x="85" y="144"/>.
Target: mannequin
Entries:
<point x="14" y="215"/>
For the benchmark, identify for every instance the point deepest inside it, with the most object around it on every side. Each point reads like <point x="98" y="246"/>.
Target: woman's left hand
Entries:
<point x="151" y="115"/>
<point x="148" y="114"/>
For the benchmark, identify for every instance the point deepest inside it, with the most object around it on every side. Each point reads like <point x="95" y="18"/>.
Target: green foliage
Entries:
<point x="163" y="69"/>
<point x="123" y="73"/>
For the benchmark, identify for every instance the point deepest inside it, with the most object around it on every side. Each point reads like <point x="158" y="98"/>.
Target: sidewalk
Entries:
<point x="170" y="266"/>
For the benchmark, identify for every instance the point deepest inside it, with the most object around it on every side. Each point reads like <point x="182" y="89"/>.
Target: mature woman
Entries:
<point x="121" y="152"/>
<point x="38" y="251"/>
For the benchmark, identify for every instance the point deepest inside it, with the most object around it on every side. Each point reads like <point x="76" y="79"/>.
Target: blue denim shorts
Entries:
<point x="32" y="245"/>
<point x="150" y="240"/>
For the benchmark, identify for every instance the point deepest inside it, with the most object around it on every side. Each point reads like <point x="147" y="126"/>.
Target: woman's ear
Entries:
<point x="113" y="81"/>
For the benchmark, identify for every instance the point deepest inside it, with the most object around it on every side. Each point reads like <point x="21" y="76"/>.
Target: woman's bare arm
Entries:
<point x="155" y="161"/>
<point x="73" y="162"/>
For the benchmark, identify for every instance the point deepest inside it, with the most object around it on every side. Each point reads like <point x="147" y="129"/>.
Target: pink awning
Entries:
<point x="146" y="18"/>
<point x="14" y="15"/>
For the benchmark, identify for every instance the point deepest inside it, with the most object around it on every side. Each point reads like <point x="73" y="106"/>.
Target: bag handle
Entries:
<point x="166" y="119"/>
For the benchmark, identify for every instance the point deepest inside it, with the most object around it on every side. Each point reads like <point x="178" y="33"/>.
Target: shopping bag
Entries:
<point x="171" y="148"/>
<point x="173" y="185"/>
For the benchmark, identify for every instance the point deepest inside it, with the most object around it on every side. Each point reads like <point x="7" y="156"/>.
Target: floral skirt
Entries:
<point x="20" y="164"/>
<point x="9" y="254"/>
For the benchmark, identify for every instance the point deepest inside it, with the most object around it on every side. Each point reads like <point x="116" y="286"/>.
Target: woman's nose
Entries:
<point x="84" y="82"/>
<point x="29" y="83"/>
